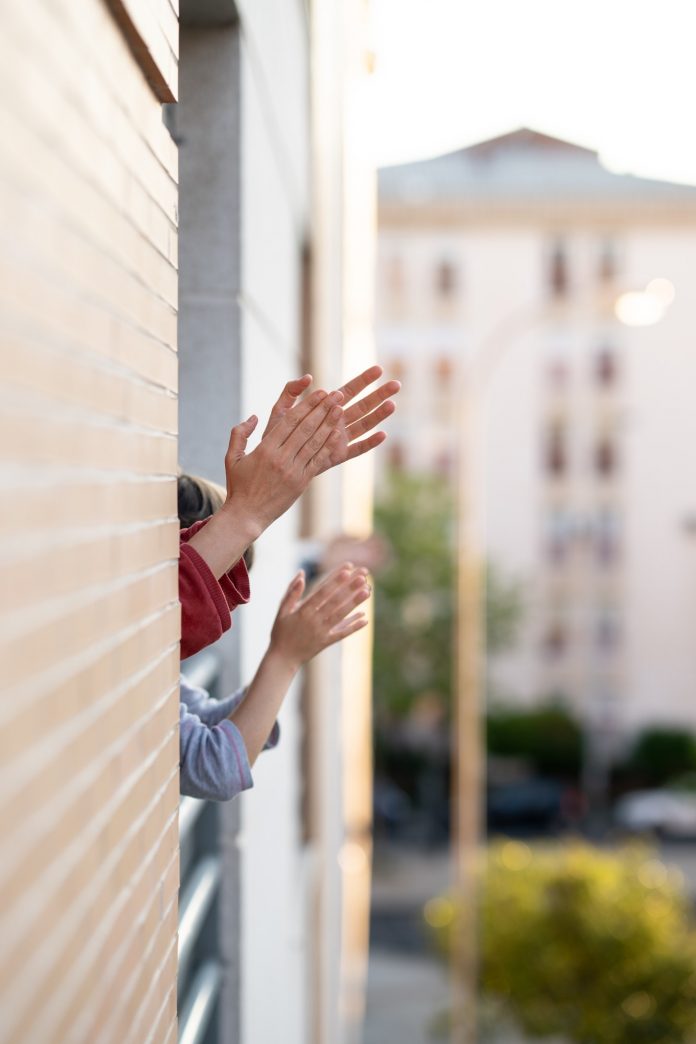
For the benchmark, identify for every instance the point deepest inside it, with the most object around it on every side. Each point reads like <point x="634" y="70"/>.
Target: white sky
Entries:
<point x="615" y="75"/>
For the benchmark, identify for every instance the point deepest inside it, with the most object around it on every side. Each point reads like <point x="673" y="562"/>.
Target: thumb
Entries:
<point x="292" y="595"/>
<point x="239" y="436"/>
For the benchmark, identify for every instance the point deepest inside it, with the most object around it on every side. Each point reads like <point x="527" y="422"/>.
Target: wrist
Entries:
<point x="282" y="659"/>
<point x="222" y="541"/>
<point x="244" y="522"/>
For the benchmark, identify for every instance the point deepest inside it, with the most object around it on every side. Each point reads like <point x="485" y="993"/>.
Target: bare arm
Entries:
<point x="301" y="630"/>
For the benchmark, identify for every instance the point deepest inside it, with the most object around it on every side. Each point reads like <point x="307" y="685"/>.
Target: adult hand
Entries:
<point x="301" y="440"/>
<point x="263" y="484"/>
<point x="357" y="420"/>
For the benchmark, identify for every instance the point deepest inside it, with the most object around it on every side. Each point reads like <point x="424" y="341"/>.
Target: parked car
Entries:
<point x="668" y="811"/>
<point x="527" y="807"/>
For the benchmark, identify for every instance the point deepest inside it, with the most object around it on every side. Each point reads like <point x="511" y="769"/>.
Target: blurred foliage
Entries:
<point x="503" y="610"/>
<point x="548" y="737"/>
<point x="415" y="596"/>
<point x="596" y="948"/>
<point x="660" y="753"/>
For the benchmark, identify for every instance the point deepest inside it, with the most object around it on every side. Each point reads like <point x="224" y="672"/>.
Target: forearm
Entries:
<point x="256" y="716"/>
<point x="225" y="538"/>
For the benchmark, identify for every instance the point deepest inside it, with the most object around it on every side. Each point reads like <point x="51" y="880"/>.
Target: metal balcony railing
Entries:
<point x="199" y="974"/>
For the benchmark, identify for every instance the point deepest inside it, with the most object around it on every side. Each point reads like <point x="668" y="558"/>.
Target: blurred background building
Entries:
<point x="238" y="222"/>
<point x="519" y="248"/>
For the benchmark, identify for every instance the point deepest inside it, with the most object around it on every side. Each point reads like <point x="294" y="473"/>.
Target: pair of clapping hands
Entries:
<point x="303" y="438"/>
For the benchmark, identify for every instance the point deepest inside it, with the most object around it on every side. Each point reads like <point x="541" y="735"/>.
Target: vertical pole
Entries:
<point x="467" y="756"/>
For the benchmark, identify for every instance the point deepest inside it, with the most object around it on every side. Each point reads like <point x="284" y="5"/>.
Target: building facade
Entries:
<point x="511" y="255"/>
<point x="187" y="220"/>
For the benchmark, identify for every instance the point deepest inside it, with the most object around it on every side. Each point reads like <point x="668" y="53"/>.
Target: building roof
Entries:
<point x="522" y="166"/>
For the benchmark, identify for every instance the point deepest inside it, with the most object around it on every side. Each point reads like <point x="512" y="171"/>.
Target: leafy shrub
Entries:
<point x="593" y="947"/>
<point x="548" y="737"/>
<point x="659" y="753"/>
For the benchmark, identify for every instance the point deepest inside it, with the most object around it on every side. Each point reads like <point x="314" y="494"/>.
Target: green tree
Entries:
<point x="415" y="596"/>
<point x="546" y="736"/>
<point x="662" y="752"/>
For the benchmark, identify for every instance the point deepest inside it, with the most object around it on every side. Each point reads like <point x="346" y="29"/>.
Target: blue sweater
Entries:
<point x="213" y="758"/>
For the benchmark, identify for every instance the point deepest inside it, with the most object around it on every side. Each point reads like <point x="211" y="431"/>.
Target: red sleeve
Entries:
<point x="206" y="603"/>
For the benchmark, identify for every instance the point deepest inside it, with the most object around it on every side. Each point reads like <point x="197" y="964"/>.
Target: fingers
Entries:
<point x="344" y="595"/>
<point x="327" y="585"/>
<point x="354" y="623"/>
<point x="359" y="383"/>
<point x="370" y="421"/>
<point x="340" y="449"/>
<point x="371" y="401"/>
<point x="338" y="610"/>
<point x="302" y="424"/>
<point x="326" y="609"/>
<point x="293" y="594"/>
<point x="327" y="434"/>
<point x="239" y="436"/>
<point x="277" y="433"/>
<point x="336" y="452"/>
<point x="290" y="393"/>
<point x="356" y="449"/>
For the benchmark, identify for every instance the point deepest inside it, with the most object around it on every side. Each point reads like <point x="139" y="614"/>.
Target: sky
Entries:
<point x="618" y="76"/>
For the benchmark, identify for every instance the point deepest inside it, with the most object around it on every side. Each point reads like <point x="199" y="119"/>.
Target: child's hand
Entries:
<point x="303" y="628"/>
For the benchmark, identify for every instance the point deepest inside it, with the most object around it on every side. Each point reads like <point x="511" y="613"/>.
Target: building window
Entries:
<point x="608" y="267"/>
<point x="606" y="536"/>
<point x="558" y="271"/>
<point x="446" y="279"/>
<point x="605" y="368"/>
<point x="559" y="535"/>
<point x="607" y="631"/>
<point x="555" y="450"/>
<point x="605" y="457"/>
<point x="555" y="643"/>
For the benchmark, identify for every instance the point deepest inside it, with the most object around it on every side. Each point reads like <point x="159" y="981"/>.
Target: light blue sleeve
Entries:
<point x="213" y="712"/>
<point x="213" y="759"/>
<point x="209" y="710"/>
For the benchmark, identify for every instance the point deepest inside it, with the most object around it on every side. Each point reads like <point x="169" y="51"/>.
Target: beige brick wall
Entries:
<point x="88" y="574"/>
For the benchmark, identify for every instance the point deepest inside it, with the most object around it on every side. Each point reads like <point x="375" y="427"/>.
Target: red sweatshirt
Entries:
<point x="206" y="603"/>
